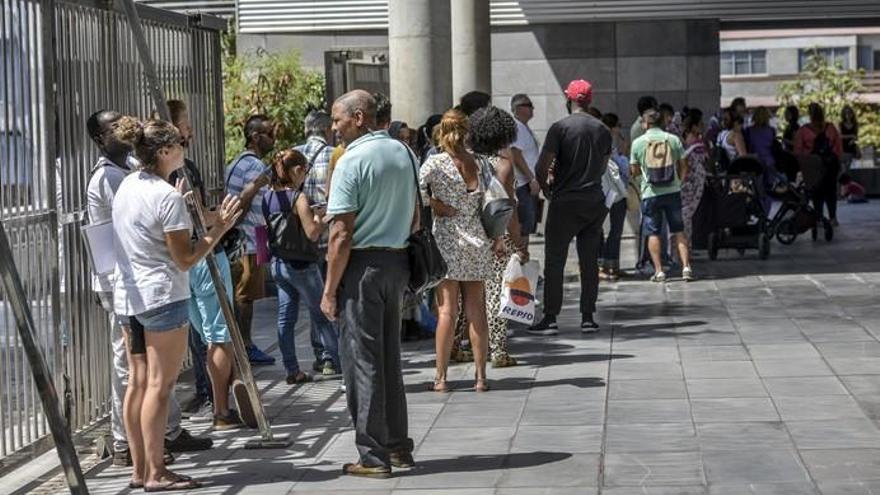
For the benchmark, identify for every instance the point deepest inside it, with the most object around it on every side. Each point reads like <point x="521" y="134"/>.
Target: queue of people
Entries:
<point x="330" y="225"/>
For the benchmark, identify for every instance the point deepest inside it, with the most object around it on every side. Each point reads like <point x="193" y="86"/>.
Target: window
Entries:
<point x="743" y="62"/>
<point x="836" y="56"/>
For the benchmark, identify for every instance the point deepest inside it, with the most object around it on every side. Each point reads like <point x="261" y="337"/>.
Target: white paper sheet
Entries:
<point x="99" y="242"/>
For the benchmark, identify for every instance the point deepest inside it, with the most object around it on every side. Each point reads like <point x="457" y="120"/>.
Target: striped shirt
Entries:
<point x="246" y="168"/>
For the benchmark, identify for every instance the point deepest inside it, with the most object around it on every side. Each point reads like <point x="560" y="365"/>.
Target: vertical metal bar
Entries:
<point x="18" y="301"/>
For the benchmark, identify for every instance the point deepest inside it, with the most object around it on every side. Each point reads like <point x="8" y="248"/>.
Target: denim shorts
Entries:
<point x="162" y="319"/>
<point x="655" y="209"/>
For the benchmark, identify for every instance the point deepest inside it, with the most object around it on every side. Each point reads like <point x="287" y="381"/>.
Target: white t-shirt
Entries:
<point x="105" y="181"/>
<point x="145" y="208"/>
<point x="528" y="145"/>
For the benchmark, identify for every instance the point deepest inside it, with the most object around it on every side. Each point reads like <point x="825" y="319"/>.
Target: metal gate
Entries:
<point x="45" y="160"/>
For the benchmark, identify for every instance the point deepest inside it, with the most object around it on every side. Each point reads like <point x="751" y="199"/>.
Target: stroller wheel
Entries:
<point x="785" y="233"/>
<point x="828" y="228"/>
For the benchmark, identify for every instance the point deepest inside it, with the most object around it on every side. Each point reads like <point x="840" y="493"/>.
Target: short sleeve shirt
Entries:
<point x="144" y="210"/>
<point x="637" y="157"/>
<point x="105" y="181"/>
<point x="528" y="145"/>
<point x="375" y="179"/>
<point x="246" y="168"/>
<point x="582" y="146"/>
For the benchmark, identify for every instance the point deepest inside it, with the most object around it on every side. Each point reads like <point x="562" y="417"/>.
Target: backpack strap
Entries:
<point x="238" y="160"/>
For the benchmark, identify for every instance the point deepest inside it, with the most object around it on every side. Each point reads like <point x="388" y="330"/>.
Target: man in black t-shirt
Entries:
<point x="580" y="145"/>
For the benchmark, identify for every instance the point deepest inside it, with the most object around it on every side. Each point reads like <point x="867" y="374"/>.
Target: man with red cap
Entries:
<point x="580" y="146"/>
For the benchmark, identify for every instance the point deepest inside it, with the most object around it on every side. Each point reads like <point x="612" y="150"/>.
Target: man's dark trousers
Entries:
<point x="577" y="217"/>
<point x="370" y="298"/>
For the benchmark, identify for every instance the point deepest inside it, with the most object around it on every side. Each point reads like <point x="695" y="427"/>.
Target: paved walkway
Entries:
<point x="761" y="378"/>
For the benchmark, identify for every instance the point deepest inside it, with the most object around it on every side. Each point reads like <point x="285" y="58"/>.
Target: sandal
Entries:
<point x="135" y="485"/>
<point x="440" y="386"/>
<point x="175" y="483"/>
<point x="480" y="385"/>
<point x="503" y="361"/>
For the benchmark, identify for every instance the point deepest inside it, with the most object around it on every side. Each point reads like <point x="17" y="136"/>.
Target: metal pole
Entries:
<point x="243" y="363"/>
<point x="16" y="299"/>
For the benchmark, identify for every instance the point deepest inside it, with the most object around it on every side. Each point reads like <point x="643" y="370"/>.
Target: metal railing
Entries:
<point x="45" y="162"/>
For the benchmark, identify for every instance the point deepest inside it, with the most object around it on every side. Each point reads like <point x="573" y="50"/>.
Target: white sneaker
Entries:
<point x="687" y="274"/>
<point x="658" y="277"/>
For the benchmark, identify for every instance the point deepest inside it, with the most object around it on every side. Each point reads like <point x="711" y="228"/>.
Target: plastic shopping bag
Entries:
<point x="518" y="289"/>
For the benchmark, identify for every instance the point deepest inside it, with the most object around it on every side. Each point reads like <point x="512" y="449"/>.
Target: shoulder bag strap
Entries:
<point x="415" y="175"/>
<point x="236" y="162"/>
<point x="315" y="155"/>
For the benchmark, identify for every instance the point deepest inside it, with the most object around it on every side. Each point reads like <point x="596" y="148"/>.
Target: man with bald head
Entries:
<point x="373" y="210"/>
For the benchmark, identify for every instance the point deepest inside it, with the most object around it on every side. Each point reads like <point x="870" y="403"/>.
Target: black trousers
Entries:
<point x="826" y="193"/>
<point x="370" y="299"/>
<point x="577" y="218"/>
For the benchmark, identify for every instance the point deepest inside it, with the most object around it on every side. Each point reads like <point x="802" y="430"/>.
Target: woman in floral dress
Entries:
<point x="453" y="178"/>
<point x="694" y="181"/>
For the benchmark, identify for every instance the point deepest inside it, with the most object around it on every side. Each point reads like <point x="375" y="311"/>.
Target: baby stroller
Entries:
<point x="739" y="220"/>
<point x="796" y="215"/>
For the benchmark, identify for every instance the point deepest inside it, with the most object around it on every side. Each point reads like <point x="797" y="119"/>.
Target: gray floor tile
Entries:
<point x="563" y="413"/>
<point x="534" y="490"/>
<point x="646" y="469"/>
<point x="453" y="471"/>
<point x="714" y="353"/>
<point x="771" y="368"/>
<point x="850" y="488"/>
<point x="818" y="407"/>
<point x="843" y="465"/>
<point x="656" y="437"/>
<point x="727" y="410"/>
<point x="441" y="442"/>
<point x="805" y="386"/>
<point x="750" y="466"/>
<point x="803" y="488"/>
<point x="552" y="470"/>
<point x="849" y="349"/>
<point x="743" y="436"/>
<point x="719" y="388"/>
<point x="862" y="384"/>
<point x="655" y="490"/>
<point x="648" y="411"/>
<point x="479" y="414"/>
<point x="570" y="439"/>
<point x="783" y="351"/>
<point x="636" y="371"/>
<point x="838" y="433"/>
<point x="647" y="389"/>
<point x="719" y="369"/>
<point x="855" y="366"/>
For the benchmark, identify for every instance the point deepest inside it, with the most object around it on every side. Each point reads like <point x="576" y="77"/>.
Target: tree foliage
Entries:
<point x="834" y="88"/>
<point x="272" y="84"/>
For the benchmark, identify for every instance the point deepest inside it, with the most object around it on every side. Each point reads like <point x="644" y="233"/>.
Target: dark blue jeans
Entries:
<point x="306" y="284"/>
<point x="321" y="354"/>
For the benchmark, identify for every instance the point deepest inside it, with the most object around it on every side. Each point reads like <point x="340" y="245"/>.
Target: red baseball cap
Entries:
<point x="579" y="91"/>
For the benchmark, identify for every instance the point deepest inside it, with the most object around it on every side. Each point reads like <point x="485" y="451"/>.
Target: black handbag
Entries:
<point x="287" y="238"/>
<point x="426" y="264"/>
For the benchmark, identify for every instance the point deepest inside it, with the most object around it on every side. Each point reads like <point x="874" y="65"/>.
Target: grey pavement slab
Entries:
<point x="762" y="378"/>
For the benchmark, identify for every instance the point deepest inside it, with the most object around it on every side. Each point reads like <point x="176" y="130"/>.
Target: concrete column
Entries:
<point x="471" y="47"/>
<point x="419" y="59"/>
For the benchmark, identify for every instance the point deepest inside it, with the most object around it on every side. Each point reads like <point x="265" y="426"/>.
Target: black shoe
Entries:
<point x="547" y="326"/>
<point x="588" y="325"/>
<point x="122" y="458"/>
<point x="403" y="460"/>
<point x="185" y="442"/>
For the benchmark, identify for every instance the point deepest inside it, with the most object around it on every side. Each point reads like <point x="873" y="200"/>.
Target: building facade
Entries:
<point x="754" y="63"/>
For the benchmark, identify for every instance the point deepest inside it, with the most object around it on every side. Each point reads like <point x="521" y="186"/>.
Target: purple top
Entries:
<point x="760" y="142"/>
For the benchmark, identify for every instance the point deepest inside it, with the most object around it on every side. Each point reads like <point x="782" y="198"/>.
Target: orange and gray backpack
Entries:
<point x="660" y="163"/>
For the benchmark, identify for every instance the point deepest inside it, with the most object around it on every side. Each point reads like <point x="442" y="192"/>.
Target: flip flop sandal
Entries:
<point x="181" y="483"/>
<point x="135" y="485"/>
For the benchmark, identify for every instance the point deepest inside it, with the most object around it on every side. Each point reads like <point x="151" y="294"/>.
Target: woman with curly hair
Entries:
<point x="492" y="132"/>
<point x="154" y="252"/>
<point x="453" y="178"/>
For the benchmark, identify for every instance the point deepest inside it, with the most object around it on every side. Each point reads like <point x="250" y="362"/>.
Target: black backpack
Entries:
<point x="287" y="238"/>
<point x="823" y="148"/>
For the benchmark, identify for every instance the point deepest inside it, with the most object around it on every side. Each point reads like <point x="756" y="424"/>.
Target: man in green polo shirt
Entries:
<point x="658" y="157"/>
<point x="373" y="206"/>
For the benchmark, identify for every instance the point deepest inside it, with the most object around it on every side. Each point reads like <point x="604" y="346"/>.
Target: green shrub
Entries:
<point x="834" y="88"/>
<point x="272" y="84"/>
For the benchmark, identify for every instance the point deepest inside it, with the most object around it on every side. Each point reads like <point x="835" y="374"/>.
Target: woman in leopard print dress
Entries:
<point x="492" y="131"/>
